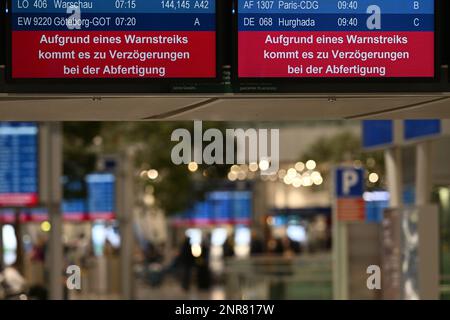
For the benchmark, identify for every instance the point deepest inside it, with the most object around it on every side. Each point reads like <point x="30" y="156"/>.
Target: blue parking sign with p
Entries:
<point x="349" y="182"/>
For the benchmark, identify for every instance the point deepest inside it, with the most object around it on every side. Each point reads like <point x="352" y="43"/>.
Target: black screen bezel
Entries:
<point x="109" y="85"/>
<point x="342" y="84"/>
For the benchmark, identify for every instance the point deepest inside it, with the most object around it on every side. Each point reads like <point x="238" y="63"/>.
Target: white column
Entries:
<point x="393" y="165"/>
<point x="51" y="195"/>
<point x="423" y="173"/>
<point x="340" y="260"/>
<point x="340" y="251"/>
<point x="428" y="225"/>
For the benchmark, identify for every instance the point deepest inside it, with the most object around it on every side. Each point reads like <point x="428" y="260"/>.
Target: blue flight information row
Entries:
<point x="331" y="22"/>
<point x="336" y="6"/>
<point x="116" y="22"/>
<point x="336" y="15"/>
<point x="110" y="6"/>
<point x="74" y="206"/>
<point x="114" y="15"/>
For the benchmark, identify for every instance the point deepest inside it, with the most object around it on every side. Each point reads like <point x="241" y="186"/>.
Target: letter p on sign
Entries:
<point x="349" y="180"/>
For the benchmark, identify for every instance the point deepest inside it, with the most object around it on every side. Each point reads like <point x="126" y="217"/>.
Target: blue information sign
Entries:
<point x="349" y="182"/>
<point x="377" y="133"/>
<point x="232" y="206"/>
<point x="416" y="129"/>
<point x="101" y="196"/>
<point x="222" y="206"/>
<point x="242" y="207"/>
<point x="18" y="164"/>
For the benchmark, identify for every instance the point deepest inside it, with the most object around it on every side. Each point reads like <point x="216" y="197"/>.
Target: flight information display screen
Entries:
<point x="113" y="39"/>
<point x="19" y="153"/>
<point x="336" y="39"/>
<point x="101" y="196"/>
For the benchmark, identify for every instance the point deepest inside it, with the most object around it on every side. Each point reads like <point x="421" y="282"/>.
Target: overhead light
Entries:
<point x="287" y="179"/>
<point x="317" y="180"/>
<point x="281" y="173"/>
<point x="253" y="167"/>
<point x="264" y="165"/>
<point x="299" y="166"/>
<point x="292" y="173"/>
<point x="307" y="181"/>
<point x="152" y="174"/>
<point x="310" y="164"/>
<point x="241" y="175"/>
<point x="232" y="176"/>
<point x="297" y="182"/>
<point x="315" y="175"/>
<point x="192" y="166"/>
<point x="235" y="168"/>
<point x="46" y="226"/>
<point x="373" y="177"/>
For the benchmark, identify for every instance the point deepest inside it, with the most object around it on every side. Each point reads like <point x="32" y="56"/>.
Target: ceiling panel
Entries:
<point x="292" y="109"/>
<point x="437" y="109"/>
<point x="85" y="109"/>
<point x="221" y="108"/>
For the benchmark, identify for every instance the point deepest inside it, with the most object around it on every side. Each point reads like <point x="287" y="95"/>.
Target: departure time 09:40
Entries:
<point x="347" y="22"/>
<point x="347" y="5"/>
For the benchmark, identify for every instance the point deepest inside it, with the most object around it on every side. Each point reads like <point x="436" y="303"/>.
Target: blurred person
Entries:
<point x="294" y="246"/>
<point x="228" y="248"/>
<point x="275" y="246"/>
<point x="161" y="250"/>
<point x="290" y="247"/>
<point x="153" y="253"/>
<point x="38" y="261"/>
<point x="279" y="247"/>
<point x="39" y="249"/>
<point x="256" y="244"/>
<point x="203" y="268"/>
<point x="271" y="243"/>
<point x="186" y="261"/>
<point x="153" y="264"/>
